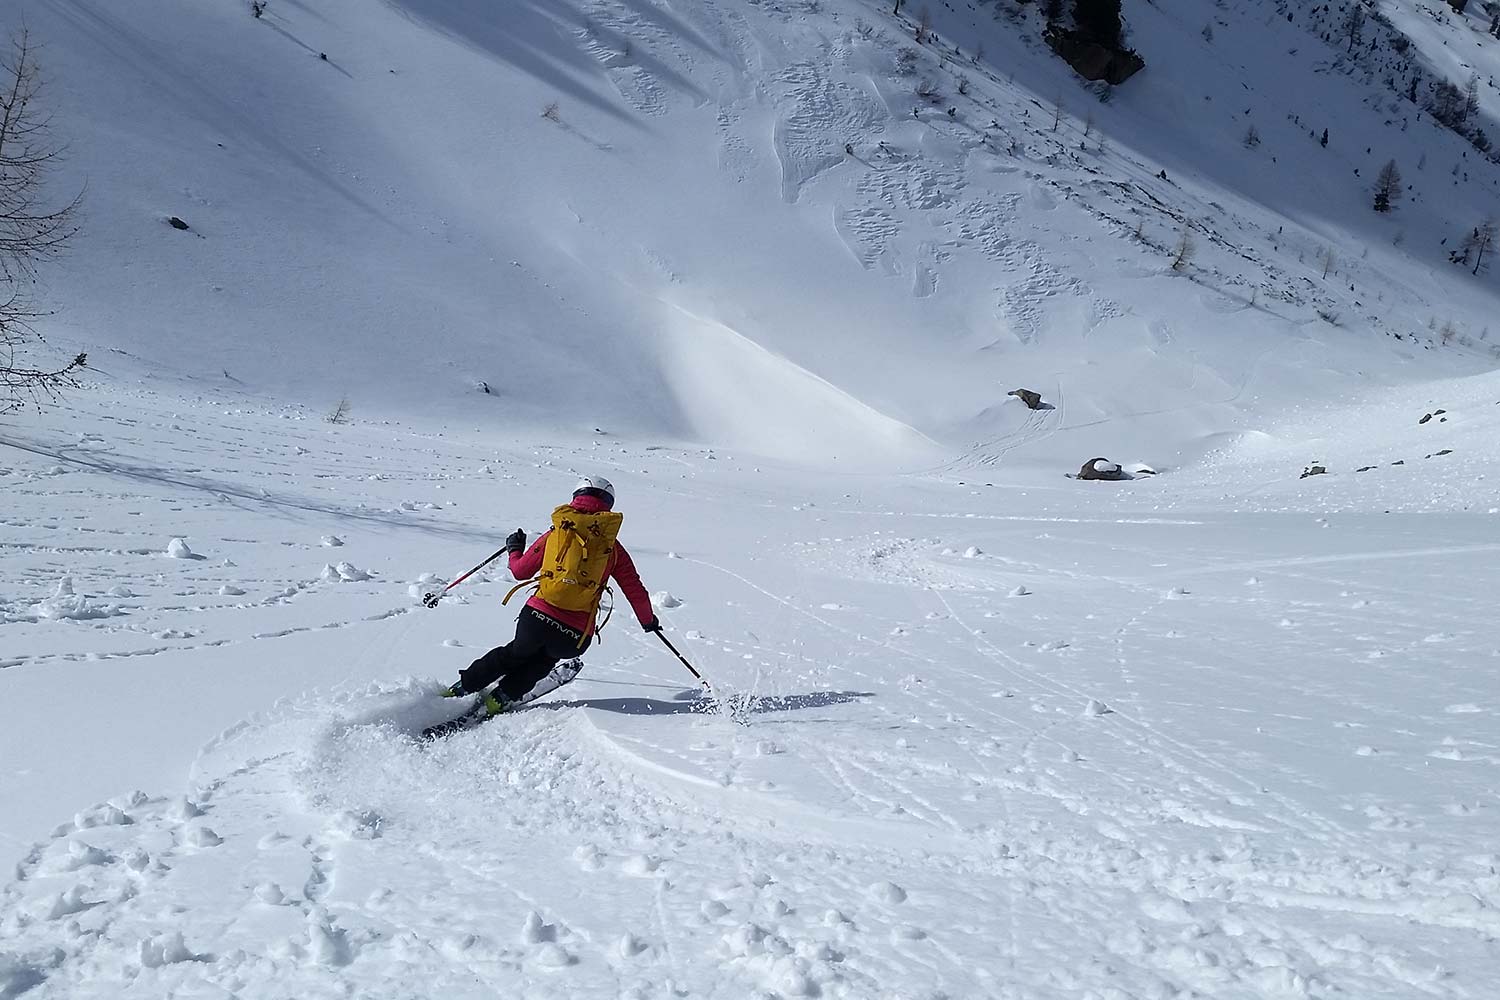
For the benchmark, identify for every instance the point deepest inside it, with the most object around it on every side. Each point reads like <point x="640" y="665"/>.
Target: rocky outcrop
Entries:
<point x="1092" y="60"/>
<point x="1033" y="400"/>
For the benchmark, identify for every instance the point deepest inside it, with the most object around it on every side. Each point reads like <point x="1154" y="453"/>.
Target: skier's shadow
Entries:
<point x="743" y="704"/>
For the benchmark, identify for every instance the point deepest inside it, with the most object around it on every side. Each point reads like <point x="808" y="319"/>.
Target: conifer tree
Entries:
<point x="1387" y="186"/>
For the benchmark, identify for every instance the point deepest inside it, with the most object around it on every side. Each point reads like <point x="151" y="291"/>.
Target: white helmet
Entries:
<point x="595" y="486"/>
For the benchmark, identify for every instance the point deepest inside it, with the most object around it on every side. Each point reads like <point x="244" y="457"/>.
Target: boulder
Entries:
<point x="1314" y="470"/>
<point x="1101" y="469"/>
<point x="1033" y="400"/>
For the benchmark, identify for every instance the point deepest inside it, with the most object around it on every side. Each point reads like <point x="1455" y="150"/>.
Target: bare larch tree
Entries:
<point x="31" y="231"/>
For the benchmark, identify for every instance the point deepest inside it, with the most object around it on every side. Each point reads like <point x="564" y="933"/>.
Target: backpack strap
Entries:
<point x="524" y="583"/>
<point x="608" y="612"/>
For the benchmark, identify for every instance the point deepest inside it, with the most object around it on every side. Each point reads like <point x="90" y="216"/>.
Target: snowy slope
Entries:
<point x="1219" y="732"/>
<point x="1273" y="209"/>
<point x="1223" y="733"/>
<point x="689" y="222"/>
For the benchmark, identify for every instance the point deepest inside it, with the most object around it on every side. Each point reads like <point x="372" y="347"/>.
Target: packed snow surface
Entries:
<point x="1238" y="740"/>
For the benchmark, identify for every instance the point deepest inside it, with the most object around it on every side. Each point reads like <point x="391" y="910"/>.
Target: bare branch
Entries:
<point x="31" y="231"/>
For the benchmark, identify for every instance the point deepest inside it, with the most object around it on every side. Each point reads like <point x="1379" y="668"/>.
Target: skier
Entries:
<point x="572" y="564"/>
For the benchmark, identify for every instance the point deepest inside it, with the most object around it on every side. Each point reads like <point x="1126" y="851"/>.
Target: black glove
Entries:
<point x="654" y="625"/>
<point x="516" y="541"/>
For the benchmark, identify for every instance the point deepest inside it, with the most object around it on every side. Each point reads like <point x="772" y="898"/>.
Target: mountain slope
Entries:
<point x="682" y="246"/>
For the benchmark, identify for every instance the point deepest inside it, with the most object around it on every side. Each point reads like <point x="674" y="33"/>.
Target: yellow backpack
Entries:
<point x="576" y="558"/>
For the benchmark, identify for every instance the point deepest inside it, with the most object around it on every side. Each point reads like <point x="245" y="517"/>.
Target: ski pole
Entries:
<point x="431" y="600"/>
<point x="662" y="636"/>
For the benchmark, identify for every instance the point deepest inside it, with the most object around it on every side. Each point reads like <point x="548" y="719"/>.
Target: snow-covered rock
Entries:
<point x="1101" y="469"/>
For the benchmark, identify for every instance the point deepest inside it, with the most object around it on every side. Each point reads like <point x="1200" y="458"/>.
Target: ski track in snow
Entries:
<point x="937" y="783"/>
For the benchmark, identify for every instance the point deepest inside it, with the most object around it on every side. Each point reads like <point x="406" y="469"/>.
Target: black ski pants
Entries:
<point x="539" y="643"/>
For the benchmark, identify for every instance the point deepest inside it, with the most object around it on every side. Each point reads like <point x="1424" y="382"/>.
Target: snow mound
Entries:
<point x="887" y="892"/>
<point x="66" y="604"/>
<point x="183" y="809"/>
<point x="344" y="572"/>
<point x="269" y="893"/>
<point x="178" y="549"/>
<point x="164" y="949"/>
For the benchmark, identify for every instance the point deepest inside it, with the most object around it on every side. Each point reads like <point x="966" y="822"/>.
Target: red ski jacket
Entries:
<point x="523" y="566"/>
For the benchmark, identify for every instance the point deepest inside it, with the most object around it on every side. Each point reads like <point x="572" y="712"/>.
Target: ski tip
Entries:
<point x="445" y="729"/>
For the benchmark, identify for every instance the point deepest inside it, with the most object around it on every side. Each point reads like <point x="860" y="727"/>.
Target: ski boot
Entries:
<point x="491" y="704"/>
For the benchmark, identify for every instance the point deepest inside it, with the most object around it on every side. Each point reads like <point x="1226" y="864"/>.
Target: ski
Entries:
<point x="443" y="730"/>
<point x="563" y="673"/>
